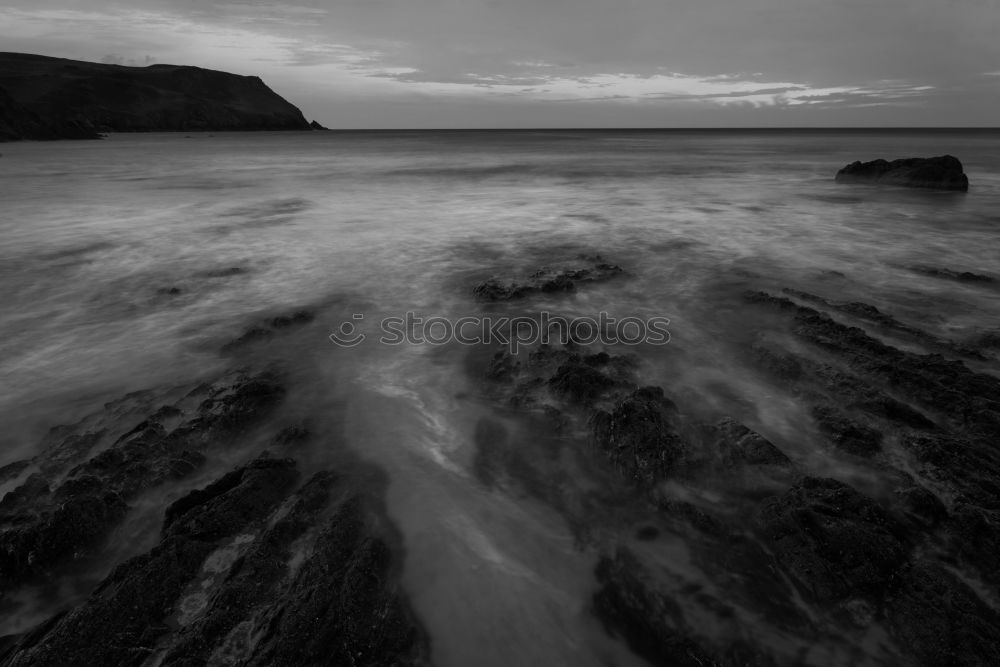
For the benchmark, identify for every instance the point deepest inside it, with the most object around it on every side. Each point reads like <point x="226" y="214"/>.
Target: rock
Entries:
<point x="915" y="502"/>
<point x="835" y="543"/>
<point x="225" y="273"/>
<point x="652" y="624"/>
<point x="951" y="274"/>
<point x="248" y="572"/>
<point x="553" y="280"/>
<point x="974" y="540"/>
<point x="266" y="329"/>
<point x="72" y="99"/>
<point x="293" y="319"/>
<point x="316" y="126"/>
<point x="639" y="437"/>
<point x="738" y="444"/>
<point x="942" y="173"/>
<point x="580" y="382"/>
<point x="845" y="433"/>
<point x="123" y="619"/>
<point x="970" y="400"/>
<point x="13" y="470"/>
<point x="345" y="605"/>
<point x="869" y="313"/>
<point x="968" y="466"/>
<point x="938" y="620"/>
<point x="45" y="523"/>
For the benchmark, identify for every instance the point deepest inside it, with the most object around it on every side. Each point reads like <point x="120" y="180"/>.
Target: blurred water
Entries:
<point x="93" y="235"/>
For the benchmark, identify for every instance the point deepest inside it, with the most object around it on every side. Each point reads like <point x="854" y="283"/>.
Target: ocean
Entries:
<point x="129" y="263"/>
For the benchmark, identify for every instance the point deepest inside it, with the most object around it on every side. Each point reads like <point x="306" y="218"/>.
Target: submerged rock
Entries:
<point x="942" y="173"/>
<point x="63" y="512"/>
<point x="833" y="541"/>
<point x="845" y="433"/>
<point x="268" y="328"/>
<point x="547" y="281"/>
<point x="951" y="274"/>
<point x="248" y="572"/>
<point x="639" y="437"/>
<point x="738" y="444"/>
<point x="938" y="620"/>
<point x="653" y="624"/>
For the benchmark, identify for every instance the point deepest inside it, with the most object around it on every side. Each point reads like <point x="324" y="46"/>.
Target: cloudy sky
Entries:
<point x="550" y="63"/>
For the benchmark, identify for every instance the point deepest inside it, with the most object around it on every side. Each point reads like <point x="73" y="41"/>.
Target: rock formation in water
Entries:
<point x="588" y="269"/>
<point x="264" y="565"/>
<point x="939" y="173"/>
<point x="54" y="98"/>
<point x="814" y="558"/>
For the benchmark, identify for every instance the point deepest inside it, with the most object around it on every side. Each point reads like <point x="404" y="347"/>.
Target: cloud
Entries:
<point x="431" y="59"/>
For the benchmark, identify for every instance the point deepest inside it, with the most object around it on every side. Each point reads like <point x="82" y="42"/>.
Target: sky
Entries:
<point x="561" y="63"/>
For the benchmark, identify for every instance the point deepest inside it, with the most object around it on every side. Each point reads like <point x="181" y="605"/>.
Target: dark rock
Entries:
<point x="298" y="317"/>
<point x="250" y="336"/>
<point x="652" y="624"/>
<point x="345" y="605"/>
<point x="921" y="506"/>
<point x="938" y="620"/>
<point x="778" y="363"/>
<point x="987" y="340"/>
<point x="738" y="444"/>
<point x="121" y="622"/>
<point x="834" y="542"/>
<point x="503" y="367"/>
<point x="42" y="526"/>
<point x="971" y="400"/>
<point x="13" y="470"/>
<point x="248" y="572"/>
<point x="316" y="126"/>
<point x="970" y="467"/>
<point x="546" y="281"/>
<point x="66" y="94"/>
<point x="950" y="274"/>
<point x="268" y="328"/>
<point x="225" y="273"/>
<point x="888" y="323"/>
<point x="942" y="173"/>
<point x="580" y="382"/>
<point x="639" y="437"/>
<point x="845" y="433"/>
<point x="974" y="541"/>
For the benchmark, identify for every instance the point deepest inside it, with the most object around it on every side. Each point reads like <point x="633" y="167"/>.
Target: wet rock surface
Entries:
<point x="268" y="328"/>
<point x="548" y="280"/>
<point x="717" y="538"/>
<point x="952" y="274"/>
<point x="249" y="570"/>
<point x="818" y="558"/>
<point x="262" y="566"/>
<point x="942" y="173"/>
<point x="85" y="481"/>
<point x="833" y="540"/>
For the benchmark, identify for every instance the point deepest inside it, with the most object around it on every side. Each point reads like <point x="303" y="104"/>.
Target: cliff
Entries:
<point x="54" y="98"/>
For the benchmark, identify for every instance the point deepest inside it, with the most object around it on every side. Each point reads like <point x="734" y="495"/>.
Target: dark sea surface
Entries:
<point x="128" y="263"/>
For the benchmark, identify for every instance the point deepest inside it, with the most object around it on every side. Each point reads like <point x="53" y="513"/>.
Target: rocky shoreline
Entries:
<point x="269" y="564"/>
<point x="818" y="560"/>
